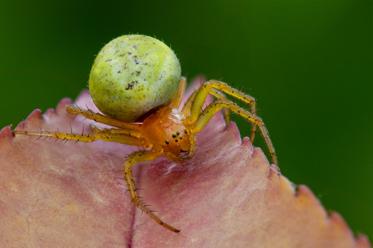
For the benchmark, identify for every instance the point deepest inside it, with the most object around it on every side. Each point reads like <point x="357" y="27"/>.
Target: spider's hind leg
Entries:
<point x="218" y="105"/>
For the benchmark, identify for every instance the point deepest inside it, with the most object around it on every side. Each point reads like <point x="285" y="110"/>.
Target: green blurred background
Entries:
<point x="308" y="63"/>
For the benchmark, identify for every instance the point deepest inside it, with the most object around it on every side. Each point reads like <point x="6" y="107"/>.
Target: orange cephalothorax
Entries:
<point x="166" y="131"/>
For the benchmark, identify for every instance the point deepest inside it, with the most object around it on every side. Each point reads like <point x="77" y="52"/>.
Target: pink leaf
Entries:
<point x="57" y="194"/>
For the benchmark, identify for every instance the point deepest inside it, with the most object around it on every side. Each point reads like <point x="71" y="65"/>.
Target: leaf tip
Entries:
<point x="362" y="241"/>
<point x="35" y="115"/>
<point x="6" y="132"/>
<point x="61" y="106"/>
<point x="84" y="94"/>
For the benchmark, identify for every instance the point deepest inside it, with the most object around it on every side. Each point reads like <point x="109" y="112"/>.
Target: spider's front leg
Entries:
<point x="195" y="102"/>
<point x="133" y="159"/>
<point x="218" y="105"/>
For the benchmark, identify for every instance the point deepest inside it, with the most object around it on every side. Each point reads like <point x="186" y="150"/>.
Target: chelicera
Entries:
<point x="169" y="130"/>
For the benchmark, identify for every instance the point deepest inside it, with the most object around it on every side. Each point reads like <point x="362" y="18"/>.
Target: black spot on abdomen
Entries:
<point x="131" y="84"/>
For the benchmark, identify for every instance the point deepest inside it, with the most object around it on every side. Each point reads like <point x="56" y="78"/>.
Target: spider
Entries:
<point x="168" y="130"/>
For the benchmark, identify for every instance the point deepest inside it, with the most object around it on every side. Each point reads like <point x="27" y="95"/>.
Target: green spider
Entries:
<point x="126" y="74"/>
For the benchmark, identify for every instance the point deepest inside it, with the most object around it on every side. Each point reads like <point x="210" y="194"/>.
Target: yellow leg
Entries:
<point x="218" y="105"/>
<point x="179" y="95"/>
<point x="213" y="86"/>
<point x="123" y="136"/>
<point x="89" y="114"/>
<point x="226" y="112"/>
<point x="105" y="135"/>
<point x="188" y="104"/>
<point x="117" y="131"/>
<point x="132" y="160"/>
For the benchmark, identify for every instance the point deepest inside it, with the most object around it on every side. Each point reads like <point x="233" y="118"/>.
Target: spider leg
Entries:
<point x="118" y="131"/>
<point x="218" y="105"/>
<point x="132" y="160"/>
<point x="219" y="95"/>
<point x="109" y="135"/>
<point x="188" y="104"/>
<point x="212" y="87"/>
<point x="104" y="119"/>
<point x="179" y="95"/>
<point x="226" y="112"/>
